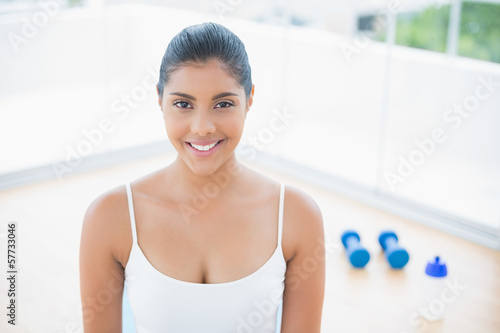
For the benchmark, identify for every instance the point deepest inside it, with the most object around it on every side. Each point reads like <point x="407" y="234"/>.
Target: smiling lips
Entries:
<point x="205" y="147"/>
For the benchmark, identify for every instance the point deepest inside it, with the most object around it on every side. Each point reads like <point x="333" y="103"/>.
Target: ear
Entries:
<point x="250" y="99"/>
<point x="159" y="97"/>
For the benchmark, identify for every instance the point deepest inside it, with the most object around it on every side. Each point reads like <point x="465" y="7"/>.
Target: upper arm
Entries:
<point x="101" y="275"/>
<point x="305" y="275"/>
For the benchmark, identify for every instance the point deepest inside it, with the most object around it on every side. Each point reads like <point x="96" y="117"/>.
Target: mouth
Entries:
<point x="204" y="148"/>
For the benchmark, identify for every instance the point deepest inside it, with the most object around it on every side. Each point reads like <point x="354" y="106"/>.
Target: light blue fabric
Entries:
<point x="278" y="317"/>
<point x="128" y="323"/>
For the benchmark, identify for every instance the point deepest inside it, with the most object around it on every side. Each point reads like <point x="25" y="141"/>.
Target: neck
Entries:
<point x="183" y="180"/>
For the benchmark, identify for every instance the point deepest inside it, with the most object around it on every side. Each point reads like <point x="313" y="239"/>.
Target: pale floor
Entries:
<point x="374" y="299"/>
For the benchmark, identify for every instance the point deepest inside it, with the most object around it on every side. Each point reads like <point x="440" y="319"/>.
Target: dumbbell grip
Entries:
<point x="390" y="243"/>
<point x="352" y="243"/>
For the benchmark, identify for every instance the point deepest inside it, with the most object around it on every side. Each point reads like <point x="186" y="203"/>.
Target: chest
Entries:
<point x="207" y="242"/>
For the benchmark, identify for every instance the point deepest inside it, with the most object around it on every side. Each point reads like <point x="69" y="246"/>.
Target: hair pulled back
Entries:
<point x="202" y="43"/>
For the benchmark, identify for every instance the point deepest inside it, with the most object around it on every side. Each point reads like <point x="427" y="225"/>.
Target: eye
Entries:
<point x="182" y="104"/>
<point x="224" y="105"/>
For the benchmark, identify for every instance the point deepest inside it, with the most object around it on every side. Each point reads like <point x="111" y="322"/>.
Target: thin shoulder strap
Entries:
<point x="131" y="212"/>
<point x="280" y="223"/>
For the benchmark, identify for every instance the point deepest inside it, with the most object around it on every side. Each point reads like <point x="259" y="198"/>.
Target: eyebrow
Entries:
<point x="221" y="95"/>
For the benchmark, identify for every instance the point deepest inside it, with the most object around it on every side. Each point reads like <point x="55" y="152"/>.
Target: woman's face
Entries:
<point x="204" y="110"/>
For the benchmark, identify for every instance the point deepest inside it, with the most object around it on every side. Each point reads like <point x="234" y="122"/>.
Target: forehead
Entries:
<point x="199" y="79"/>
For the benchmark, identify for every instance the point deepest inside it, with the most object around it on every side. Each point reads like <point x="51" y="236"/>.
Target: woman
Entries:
<point x="204" y="244"/>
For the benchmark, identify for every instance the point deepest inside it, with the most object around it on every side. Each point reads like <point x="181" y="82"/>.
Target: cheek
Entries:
<point x="233" y="127"/>
<point x="175" y="128"/>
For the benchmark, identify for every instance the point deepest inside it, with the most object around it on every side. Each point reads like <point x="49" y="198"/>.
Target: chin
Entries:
<point x="202" y="170"/>
<point x="201" y="167"/>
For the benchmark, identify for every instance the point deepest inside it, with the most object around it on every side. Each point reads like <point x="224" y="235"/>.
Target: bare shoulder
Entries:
<point x="300" y="209"/>
<point x="106" y="223"/>
<point x="106" y="206"/>
<point x="303" y="221"/>
<point x="301" y="202"/>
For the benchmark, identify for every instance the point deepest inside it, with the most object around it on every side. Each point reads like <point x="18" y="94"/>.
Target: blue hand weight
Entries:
<point x="396" y="255"/>
<point x="358" y="255"/>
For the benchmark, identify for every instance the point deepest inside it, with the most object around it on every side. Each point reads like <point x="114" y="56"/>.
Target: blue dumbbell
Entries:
<point x="358" y="255"/>
<point x="395" y="254"/>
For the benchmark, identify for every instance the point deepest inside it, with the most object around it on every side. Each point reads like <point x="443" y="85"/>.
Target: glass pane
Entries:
<point x="480" y="31"/>
<point x="442" y="138"/>
<point x="329" y="65"/>
<point x="423" y="27"/>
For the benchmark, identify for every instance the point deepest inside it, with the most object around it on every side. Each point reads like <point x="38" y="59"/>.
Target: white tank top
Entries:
<point x="162" y="304"/>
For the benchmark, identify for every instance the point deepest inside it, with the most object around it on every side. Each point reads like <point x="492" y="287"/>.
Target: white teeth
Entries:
<point x="204" y="148"/>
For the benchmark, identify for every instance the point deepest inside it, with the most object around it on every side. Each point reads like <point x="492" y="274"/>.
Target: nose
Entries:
<point x="202" y="124"/>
